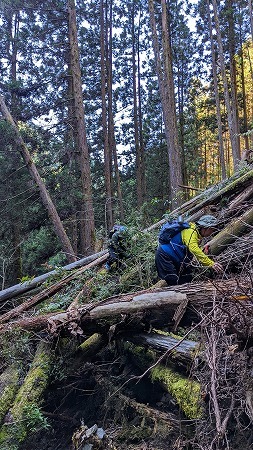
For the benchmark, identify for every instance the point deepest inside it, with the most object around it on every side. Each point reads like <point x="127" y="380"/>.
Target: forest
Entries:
<point x="125" y="112"/>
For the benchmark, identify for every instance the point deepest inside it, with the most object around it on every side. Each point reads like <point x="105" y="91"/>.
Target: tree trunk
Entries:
<point x="232" y="63"/>
<point x="88" y="227"/>
<point x="231" y="113"/>
<point x="251" y="17"/>
<point x="165" y="303"/>
<point x="166" y="89"/>
<point x="185" y="391"/>
<point x="107" y="149"/>
<point x="141" y="140"/>
<point x="46" y="199"/>
<point x="111" y="131"/>
<point x="48" y="292"/>
<point x="139" y="177"/>
<point x="176" y="176"/>
<point x="9" y="385"/>
<point x="245" y="112"/>
<point x="182" y="354"/>
<point x="217" y="99"/>
<point x="194" y="207"/>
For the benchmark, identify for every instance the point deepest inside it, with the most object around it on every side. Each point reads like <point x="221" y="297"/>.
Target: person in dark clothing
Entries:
<point x="117" y="247"/>
<point x="173" y="260"/>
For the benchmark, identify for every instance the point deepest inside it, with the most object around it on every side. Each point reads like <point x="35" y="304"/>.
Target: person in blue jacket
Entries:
<point x="173" y="260"/>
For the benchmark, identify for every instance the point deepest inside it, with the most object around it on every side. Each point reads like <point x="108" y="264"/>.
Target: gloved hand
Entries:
<point x="217" y="267"/>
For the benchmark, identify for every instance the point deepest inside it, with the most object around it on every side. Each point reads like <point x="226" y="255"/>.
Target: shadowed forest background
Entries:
<point x="114" y="111"/>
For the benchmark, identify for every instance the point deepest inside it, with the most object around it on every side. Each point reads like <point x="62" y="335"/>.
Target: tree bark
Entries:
<point x="9" y="385"/>
<point x="216" y="94"/>
<point x="163" y="301"/>
<point x="88" y="227"/>
<point x="231" y="112"/>
<point x="111" y="131"/>
<point x="107" y="149"/>
<point x="166" y="89"/>
<point x="28" y="397"/>
<point x="185" y="391"/>
<point x="138" y="150"/>
<point x="208" y="197"/>
<point x="183" y="353"/>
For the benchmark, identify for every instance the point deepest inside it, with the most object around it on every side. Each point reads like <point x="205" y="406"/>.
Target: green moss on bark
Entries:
<point x="25" y="415"/>
<point x="9" y="380"/>
<point x="185" y="391"/>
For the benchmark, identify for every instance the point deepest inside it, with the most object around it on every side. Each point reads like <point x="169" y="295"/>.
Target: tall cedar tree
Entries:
<point x="166" y="88"/>
<point x="88" y="226"/>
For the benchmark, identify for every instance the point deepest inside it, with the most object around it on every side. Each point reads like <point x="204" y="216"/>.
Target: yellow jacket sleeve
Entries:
<point x="191" y="239"/>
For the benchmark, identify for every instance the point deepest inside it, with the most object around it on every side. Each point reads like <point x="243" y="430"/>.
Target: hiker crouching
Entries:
<point x="173" y="259"/>
<point x="117" y="247"/>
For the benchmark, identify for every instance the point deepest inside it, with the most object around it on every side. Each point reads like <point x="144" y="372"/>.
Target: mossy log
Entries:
<point x="185" y="391"/>
<point x="238" y="227"/>
<point x="142" y="409"/>
<point x="180" y="351"/>
<point x="9" y="385"/>
<point x="231" y="190"/>
<point x="245" y="195"/>
<point x="25" y="414"/>
<point x="92" y="345"/>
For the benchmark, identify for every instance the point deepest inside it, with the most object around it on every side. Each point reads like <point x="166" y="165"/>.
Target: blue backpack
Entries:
<point x="170" y="229"/>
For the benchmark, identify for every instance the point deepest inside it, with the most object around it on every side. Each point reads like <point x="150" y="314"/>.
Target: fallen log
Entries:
<point x="199" y="295"/>
<point x="25" y="413"/>
<point x="208" y="197"/>
<point x="183" y="353"/>
<point x="21" y="288"/>
<point x="185" y="391"/>
<point x="140" y="408"/>
<point x="92" y="345"/>
<point x="112" y="311"/>
<point x="230" y="233"/>
<point x="48" y="292"/>
<point x="238" y="254"/>
<point x="245" y="195"/>
<point x="9" y="385"/>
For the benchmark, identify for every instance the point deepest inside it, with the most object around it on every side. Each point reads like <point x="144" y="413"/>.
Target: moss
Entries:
<point x="9" y="380"/>
<point x="92" y="344"/>
<point x="185" y="391"/>
<point x="25" y="412"/>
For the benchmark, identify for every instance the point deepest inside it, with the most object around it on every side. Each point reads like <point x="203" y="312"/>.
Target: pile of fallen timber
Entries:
<point x="87" y="363"/>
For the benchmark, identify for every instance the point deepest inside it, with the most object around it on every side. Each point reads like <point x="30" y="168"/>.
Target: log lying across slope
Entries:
<point x="164" y="301"/>
<point x="241" y="187"/>
<point x="21" y="288"/>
